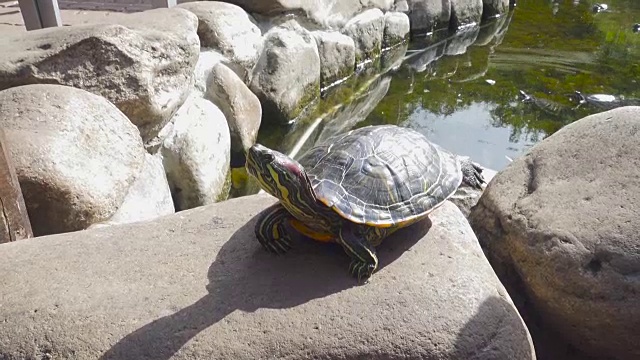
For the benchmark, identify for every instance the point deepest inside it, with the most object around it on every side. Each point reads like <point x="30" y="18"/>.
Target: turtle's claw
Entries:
<point x="361" y="270"/>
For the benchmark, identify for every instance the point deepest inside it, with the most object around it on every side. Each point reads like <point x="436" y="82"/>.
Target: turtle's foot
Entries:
<point x="353" y="238"/>
<point x="361" y="270"/>
<point x="271" y="229"/>
<point x="471" y="173"/>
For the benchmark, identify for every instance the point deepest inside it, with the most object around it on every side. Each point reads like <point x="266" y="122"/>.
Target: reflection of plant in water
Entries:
<point x="547" y="56"/>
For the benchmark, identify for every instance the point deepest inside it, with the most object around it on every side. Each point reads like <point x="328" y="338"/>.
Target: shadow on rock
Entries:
<point x="245" y="277"/>
<point x="495" y="332"/>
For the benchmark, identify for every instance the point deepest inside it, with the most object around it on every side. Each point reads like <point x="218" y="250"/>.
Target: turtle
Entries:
<point x="356" y="189"/>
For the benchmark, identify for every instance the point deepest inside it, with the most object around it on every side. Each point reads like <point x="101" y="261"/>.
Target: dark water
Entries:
<point x="462" y="90"/>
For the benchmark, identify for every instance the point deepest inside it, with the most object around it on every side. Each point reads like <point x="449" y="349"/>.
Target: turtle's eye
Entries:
<point x="268" y="157"/>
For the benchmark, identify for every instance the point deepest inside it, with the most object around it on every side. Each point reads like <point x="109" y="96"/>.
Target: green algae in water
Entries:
<point x="441" y="89"/>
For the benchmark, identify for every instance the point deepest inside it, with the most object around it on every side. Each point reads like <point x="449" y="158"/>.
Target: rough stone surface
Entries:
<point x="143" y="65"/>
<point x="467" y="197"/>
<point x="287" y="77"/>
<point x="240" y="107"/>
<point x="227" y="28"/>
<point x="196" y="154"/>
<point x="203" y="72"/>
<point x="428" y="15"/>
<point x="396" y="29"/>
<point x="75" y="154"/>
<point x="366" y="30"/>
<point x="491" y="8"/>
<point x="465" y="12"/>
<point x="560" y="225"/>
<point x="197" y="285"/>
<point x="337" y="56"/>
<point x="328" y="13"/>
<point x="149" y="196"/>
<point x="401" y="5"/>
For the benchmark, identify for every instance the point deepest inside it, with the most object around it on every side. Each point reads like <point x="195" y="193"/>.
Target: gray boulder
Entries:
<point x="203" y="72"/>
<point x="143" y="65"/>
<point x="493" y="8"/>
<point x="429" y="15"/>
<point x="196" y="152"/>
<point x="330" y="13"/>
<point x="366" y="30"/>
<point x="560" y="226"/>
<point x="149" y="196"/>
<point x="466" y="12"/>
<point x="396" y="29"/>
<point x="287" y="76"/>
<point x="240" y="107"/>
<point x="197" y="285"/>
<point x="227" y="28"/>
<point x="76" y="155"/>
<point x="337" y="56"/>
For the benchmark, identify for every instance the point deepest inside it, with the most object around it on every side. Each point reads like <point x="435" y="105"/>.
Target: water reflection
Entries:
<point x="465" y="91"/>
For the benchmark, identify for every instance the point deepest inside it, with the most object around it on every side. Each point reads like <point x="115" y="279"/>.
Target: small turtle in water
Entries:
<point x="356" y="189"/>
<point x="548" y="106"/>
<point x="600" y="8"/>
<point x="603" y="101"/>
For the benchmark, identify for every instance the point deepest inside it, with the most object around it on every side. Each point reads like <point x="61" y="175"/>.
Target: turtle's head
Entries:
<point x="278" y="174"/>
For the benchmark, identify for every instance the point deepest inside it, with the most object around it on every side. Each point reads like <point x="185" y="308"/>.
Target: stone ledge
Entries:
<point x="197" y="285"/>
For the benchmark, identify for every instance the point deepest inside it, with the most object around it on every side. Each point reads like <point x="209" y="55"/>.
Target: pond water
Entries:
<point x="463" y="91"/>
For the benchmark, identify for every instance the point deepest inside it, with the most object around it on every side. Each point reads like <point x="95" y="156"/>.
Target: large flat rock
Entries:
<point x="198" y="285"/>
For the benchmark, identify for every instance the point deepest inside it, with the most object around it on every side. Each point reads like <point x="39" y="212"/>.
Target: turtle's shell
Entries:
<point x="382" y="175"/>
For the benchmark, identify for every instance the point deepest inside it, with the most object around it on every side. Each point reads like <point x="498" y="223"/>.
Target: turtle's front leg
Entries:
<point x="271" y="229"/>
<point x="354" y="241"/>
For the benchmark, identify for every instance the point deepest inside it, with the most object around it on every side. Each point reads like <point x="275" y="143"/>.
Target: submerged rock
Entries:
<point x="197" y="285"/>
<point x="560" y="227"/>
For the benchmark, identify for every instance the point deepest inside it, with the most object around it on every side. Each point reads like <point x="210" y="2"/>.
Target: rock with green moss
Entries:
<point x="366" y="30"/>
<point x="465" y="12"/>
<point x="396" y="29"/>
<point x="493" y="8"/>
<point x="287" y="76"/>
<point x="337" y="56"/>
<point x="428" y="15"/>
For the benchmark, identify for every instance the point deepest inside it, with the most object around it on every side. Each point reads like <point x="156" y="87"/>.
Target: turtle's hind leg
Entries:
<point x="471" y="173"/>
<point x="271" y="229"/>
<point x="364" y="258"/>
